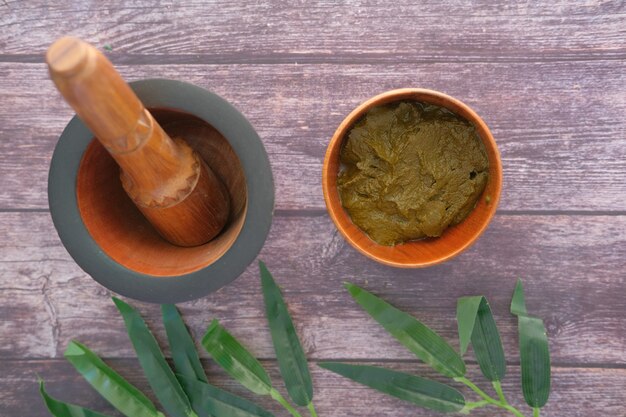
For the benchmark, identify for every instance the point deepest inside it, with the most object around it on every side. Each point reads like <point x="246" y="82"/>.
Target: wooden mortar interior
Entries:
<point x="120" y="229"/>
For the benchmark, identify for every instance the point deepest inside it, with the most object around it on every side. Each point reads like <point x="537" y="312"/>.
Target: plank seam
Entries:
<point x="322" y="212"/>
<point x="562" y="365"/>
<point x="364" y="59"/>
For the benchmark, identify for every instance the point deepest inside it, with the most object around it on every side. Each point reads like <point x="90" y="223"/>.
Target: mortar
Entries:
<point x="109" y="238"/>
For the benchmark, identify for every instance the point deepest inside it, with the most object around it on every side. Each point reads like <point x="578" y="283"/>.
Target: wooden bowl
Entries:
<point x="424" y="252"/>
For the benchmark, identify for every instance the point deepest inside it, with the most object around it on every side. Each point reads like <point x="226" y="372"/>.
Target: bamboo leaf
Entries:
<point x="235" y="359"/>
<point x="61" y="409"/>
<point x="535" y="361"/>
<point x="291" y="360"/>
<point x="109" y="384"/>
<point x="161" y="378"/>
<point x="485" y="337"/>
<point x="209" y="401"/>
<point x="184" y="353"/>
<point x="466" y="310"/>
<point x="534" y="352"/>
<point x="518" y="303"/>
<point x="487" y="344"/>
<point x="420" y="391"/>
<point x="415" y="336"/>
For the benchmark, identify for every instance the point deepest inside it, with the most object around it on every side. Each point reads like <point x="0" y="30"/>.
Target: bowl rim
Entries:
<point x="246" y="143"/>
<point x="390" y="96"/>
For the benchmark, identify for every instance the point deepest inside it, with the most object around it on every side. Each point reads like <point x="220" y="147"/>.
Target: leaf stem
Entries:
<point x="477" y="390"/>
<point x="488" y="398"/>
<point x="512" y="409"/>
<point x="536" y="412"/>
<point x="311" y="408"/>
<point x="498" y="387"/>
<point x="470" y="406"/>
<point x="278" y="397"/>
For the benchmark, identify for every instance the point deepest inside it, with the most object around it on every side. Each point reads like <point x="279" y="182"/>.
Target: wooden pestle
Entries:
<point x="169" y="183"/>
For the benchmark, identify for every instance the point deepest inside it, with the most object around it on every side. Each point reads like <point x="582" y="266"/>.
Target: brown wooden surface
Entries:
<point x="559" y="125"/>
<point x="550" y="81"/>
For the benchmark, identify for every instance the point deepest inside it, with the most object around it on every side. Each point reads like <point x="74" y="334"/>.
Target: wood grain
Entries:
<point x="321" y="31"/>
<point x="549" y="80"/>
<point x="559" y="125"/>
<point x="334" y="395"/>
<point x="572" y="269"/>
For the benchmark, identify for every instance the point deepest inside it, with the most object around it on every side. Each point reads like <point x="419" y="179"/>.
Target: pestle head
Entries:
<point x="67" y="56"/>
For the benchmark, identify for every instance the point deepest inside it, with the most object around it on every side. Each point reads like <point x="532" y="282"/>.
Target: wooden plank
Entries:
<point x="573" y="268"/>
<point x="269" y="31"/>
<point x="575" y="392"/>
<point x="559" y="125"/>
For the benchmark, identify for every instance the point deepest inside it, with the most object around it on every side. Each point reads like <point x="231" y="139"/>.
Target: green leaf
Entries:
<point x="420" y="391"/>
<point x="60" y="409"/>
<point x="518" y="303"/>
<point x="209" y="401"/>
<point x="466" y="310"/>
<point x="109" y="384"/>
<point x="161" y="378"/>
<point x="235" y="359"/>
<point x="289" y="353"/>
<point x="535" y="361"/>
<point x="534" y="352"/>
<point x="184" y="353"/>
<point x="484" y="335"/>
<point x="415" y="336"/>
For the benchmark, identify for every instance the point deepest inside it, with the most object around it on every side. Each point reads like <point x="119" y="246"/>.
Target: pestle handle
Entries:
<point x="170" y="184"/>
<point x="98" y="94"/>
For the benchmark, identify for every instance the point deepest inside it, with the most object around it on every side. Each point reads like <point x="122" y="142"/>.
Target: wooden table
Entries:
<point x="550" y="82"/>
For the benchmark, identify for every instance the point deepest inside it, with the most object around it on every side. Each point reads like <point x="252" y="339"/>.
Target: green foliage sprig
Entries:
<point x="476" y="327"/>
<point x="185" y="391"/>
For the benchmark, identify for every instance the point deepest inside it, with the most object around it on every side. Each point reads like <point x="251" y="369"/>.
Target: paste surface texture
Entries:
<point x="410" y="170"/>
